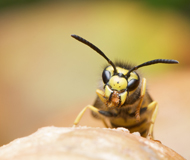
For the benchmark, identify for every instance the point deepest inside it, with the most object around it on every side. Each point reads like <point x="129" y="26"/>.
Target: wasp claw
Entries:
<point x="74" y="126"/>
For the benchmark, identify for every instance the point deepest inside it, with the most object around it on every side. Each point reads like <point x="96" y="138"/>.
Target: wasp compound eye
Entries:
<point x="132" y="84"/>
<point x="106" y="75"/>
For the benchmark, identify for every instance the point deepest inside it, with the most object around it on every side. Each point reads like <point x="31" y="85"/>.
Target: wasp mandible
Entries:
<point x="122" y="97"/>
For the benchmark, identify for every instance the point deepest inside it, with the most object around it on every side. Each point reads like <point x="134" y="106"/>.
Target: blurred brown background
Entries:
<point x="47" y="77"/>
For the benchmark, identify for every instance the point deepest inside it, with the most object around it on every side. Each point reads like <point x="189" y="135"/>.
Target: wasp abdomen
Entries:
<point x="141" y="126"/>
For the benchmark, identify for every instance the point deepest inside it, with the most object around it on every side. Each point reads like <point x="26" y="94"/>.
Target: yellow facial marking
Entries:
<point x="118" y="83"/>
<point x="108" y="91"/>
<point x="123" y="97"/>
<point x="132" y="76"/>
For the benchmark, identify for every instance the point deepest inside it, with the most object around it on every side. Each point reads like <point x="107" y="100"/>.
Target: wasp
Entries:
<point x="122" y="97"/>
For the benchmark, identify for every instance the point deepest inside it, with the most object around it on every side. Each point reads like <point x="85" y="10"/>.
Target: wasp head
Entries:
<point x="117" y="86"/>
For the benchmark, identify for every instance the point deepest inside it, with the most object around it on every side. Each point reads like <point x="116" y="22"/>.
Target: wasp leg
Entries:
<point x="152" y="107"/>
<point x="94" y="109"/>
<point x="143" y="89"/>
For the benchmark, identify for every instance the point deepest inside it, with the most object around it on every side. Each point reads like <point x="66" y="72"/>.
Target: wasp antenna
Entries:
<point x="94" y="48"/>
<point x="168" y="61"/>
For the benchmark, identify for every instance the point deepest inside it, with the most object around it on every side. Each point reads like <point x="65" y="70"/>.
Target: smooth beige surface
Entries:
<point x="53" y="143"/>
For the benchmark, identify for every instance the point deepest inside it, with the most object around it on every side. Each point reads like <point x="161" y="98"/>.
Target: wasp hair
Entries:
<point x="170" y="61"/>
<point x="94" y="48"/>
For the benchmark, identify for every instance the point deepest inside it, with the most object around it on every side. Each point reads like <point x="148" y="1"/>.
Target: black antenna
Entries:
<point x="94" y="48"/>
<point x="170" y="61"/>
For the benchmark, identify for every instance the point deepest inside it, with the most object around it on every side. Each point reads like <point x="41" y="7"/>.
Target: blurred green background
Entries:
<point x="47" y="77"/>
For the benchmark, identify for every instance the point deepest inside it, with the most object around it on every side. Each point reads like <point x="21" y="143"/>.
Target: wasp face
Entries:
<point x="117" y="86"/>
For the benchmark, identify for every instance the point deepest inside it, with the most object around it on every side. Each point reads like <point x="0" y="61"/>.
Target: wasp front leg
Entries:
<point x="153" y="108"/>
<point x="92" y="108"/>
<point x="143" y="90"/>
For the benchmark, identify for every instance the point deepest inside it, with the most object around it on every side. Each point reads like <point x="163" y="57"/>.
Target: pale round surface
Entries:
<point x="87" y="144"/>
